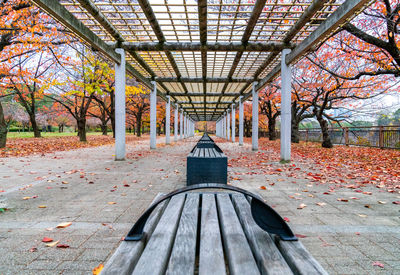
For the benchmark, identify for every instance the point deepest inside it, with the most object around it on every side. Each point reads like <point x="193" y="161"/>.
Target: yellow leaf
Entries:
<point x="42" y="206"/>
<point x="97" y="269"/>
<point x="64" y="224"/>
<point x="111" y="202"/>
<point x="52" y="244"/>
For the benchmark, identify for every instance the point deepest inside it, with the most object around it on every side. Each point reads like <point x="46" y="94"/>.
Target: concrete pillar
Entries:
<point x="181" y="125"/>
<point x="184" y="126"/>
<point x="233" y="123"/>
<point x="168" y="121"/>
<point x="176" y="123"/>
<point x="228" y="126"/>
<point x="222" y="127"/>
<point x="240" y="120"/>
<point x="120" y="107"/>
<point x="254" y="134"/>
<point x="153" y="116"/>
<point x="286" y="80"/>
<point x="225" y="126"/>
<point x="217" y="128"/>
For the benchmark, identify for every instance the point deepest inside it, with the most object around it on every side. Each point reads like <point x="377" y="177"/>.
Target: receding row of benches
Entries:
<point x="206" y="163"/>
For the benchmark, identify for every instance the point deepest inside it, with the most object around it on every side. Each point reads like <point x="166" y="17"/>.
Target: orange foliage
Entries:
<point x="17" y="147"/>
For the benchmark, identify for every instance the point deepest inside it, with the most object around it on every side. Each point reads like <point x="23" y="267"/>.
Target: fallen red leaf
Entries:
<point x="47" y="240"/>
<point x="62" y="245"/>
<point x="381" y="265"/>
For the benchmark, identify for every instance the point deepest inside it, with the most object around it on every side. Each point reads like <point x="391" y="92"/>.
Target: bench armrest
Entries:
<point x="264" y="216"/>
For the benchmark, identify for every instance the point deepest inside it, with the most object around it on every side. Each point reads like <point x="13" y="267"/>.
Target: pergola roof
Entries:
<point x="204" y="54"/>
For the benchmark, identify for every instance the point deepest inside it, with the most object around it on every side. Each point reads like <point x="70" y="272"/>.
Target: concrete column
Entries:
<point x="240" y="120"/>
<point x="181" y="125"/>
<point x="153" y="116"/>
<point x="217" y="128"/>
<point x="120" y="107"/>
<point x="176" y="123"/>
<point x="233" y="123"/>
<point x="222" y="127"/>
<point x="228" y="126"/>
<point x="225" y="125"/>
<point x="168" y="121"/>
<point x="286" y="80"/>
<point x="254" y="134"/>
<point x="184" y="126"/>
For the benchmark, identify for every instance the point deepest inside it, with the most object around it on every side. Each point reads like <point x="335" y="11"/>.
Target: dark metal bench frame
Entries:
<point x="264" y="216"/>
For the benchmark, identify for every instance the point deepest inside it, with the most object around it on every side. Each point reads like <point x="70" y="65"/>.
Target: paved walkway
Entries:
<point x="103" y="198"/>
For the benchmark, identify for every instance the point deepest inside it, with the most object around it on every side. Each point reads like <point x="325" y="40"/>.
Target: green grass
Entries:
<point x="45" y="134"/>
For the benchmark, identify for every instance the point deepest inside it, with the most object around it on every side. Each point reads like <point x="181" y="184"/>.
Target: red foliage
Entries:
<point x="18" y="147"/>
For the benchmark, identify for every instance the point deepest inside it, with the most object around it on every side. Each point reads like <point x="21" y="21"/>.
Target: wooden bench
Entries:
<point x="206" y="165"/>
<point x="229" y="232"/>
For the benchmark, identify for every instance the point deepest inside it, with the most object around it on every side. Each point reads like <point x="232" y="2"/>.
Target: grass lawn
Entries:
<point x="47" y="134"/>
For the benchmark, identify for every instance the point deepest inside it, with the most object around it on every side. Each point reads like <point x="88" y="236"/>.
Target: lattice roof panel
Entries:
<point x="204" y="47"/>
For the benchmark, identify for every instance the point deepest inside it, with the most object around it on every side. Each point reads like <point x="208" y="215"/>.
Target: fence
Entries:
<point x="369" y="136"/>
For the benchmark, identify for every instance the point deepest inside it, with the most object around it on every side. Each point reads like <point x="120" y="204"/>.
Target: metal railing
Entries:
<point x="368" y="136"/>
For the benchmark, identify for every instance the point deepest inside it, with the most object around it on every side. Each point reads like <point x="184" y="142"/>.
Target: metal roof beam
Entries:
<point x="107" y="25"/>
<point x="202" y="102"/>
<point x="255" y="14"/>
<point x="149" y="13"/>
<point x="202" y="11"/>
<point x="338" y="17"/>
<point x="207" y="79"/>
<point x="311" y="10"/>
<point x="347" y="10"/>
<point x="203" y="47"/>
<point x="62" y="15"/>
<point x="201" y="94"/>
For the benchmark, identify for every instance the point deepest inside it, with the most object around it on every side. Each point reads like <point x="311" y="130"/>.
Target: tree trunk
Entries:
<point x="82" y="130"/>
<point x="295" y="136"/>
<point x="271" y="129"/>
<point x="326" y="139"/>
<point x="112" y="119"/>
<point x="3" y="128"/>
<point x="138" y="126"/>
<point x="104" y="128"/>
<point x="35" y="127"/>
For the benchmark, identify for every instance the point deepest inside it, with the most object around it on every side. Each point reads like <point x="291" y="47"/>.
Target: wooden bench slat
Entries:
<point x="155" y="256"/>
<point x="183" y="256"/>
<point x="125" y="257"/>
<point x="211" y="252"/>
<point x="267" y="255"/>
<point x="298" y="258"/>
<point x="236" y="247"/>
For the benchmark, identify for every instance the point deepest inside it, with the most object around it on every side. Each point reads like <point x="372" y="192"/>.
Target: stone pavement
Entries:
<point x="103" y="198"/>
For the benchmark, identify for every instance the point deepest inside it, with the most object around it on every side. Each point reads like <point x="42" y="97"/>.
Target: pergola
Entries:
<point x="204" y="57"/>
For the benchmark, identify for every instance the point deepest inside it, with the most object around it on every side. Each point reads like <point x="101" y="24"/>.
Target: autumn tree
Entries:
<point x="247" y="119"/>
<point x="370" y="43"/>
<point x="270" y="107"/>
<point x="161" y="119"/>
<point x="137" y="104"/>
<point x="84" y="79"/>
<point x="32" y="74"/>
<point x="25" y="30"/>
<point x="319" y="91"/>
